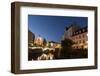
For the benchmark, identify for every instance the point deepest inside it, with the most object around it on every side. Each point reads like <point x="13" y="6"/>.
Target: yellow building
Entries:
<point x="58" y="45"/>
<point x="80" y="38"/>
<point x="53" y="44"/>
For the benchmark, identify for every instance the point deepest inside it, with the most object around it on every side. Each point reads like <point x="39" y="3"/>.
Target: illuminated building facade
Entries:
<point x="53" y="44"/>
<point x="78" y="36"/>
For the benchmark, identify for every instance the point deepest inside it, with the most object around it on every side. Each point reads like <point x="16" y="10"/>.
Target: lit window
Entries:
<point x="83" y="41"/>
<point x="87" y="34"/>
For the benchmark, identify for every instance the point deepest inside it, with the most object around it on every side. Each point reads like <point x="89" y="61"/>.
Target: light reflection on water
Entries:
<point x="43" y="54"/>
<point x="46" y="55"/>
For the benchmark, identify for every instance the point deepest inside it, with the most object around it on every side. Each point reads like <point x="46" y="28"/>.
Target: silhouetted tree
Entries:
<point x="33" y="35"/>
<point x="44" y="42"/>
<point x="66" y="48"/>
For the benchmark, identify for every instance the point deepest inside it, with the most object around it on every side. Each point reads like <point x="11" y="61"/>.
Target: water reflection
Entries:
<point x="41" y="54"/>
<point x="45" y="57"/>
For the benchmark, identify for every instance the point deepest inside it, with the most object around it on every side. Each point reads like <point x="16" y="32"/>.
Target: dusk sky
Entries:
<point x="52" y="27"/>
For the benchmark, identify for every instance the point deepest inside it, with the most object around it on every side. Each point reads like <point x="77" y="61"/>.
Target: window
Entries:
<point x="79" y="36"/>
<point x="77" y="42"/>
<point x="83" y="41"/>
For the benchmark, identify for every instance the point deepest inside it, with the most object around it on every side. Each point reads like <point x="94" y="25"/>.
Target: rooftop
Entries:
<point x="81" y="30"/>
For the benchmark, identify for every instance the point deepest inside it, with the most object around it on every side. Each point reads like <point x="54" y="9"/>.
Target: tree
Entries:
<point x="33" y="35"/>
<point x="66" y="48"/>
<point x="44" y="42"/>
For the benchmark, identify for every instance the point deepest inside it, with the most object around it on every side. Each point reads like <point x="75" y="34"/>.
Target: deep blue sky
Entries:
<point x="52" y="27"/>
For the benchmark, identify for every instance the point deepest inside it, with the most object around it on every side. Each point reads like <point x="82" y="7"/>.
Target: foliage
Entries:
<point x="44" y="42"/>
<point x="66" y="48"/>
<point x="67" y="43"/>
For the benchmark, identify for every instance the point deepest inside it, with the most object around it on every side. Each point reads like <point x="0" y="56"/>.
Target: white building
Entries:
<point x="38" y="41"/>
